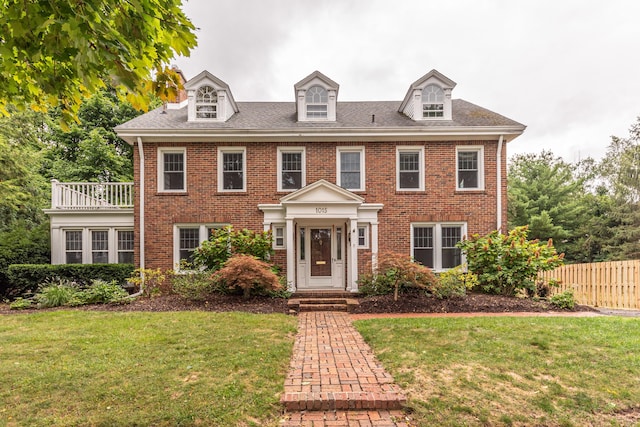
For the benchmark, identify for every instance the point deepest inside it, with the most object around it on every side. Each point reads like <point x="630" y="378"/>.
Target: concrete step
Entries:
<point x="322" y="307"/>
<point x="329" y="401"/>
<point x="297" y="305"/>
<point x="324" y="294"/>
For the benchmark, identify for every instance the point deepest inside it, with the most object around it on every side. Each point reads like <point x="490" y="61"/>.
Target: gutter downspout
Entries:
<point x="499" y="184"/>
<point x="141" y="218"/>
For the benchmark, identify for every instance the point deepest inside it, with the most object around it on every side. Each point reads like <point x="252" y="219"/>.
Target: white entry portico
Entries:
<point x="321" y="235"/>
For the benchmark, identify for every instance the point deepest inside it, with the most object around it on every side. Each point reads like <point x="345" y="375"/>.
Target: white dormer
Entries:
<point x="429" y="98"/>
<point x="316" y="97"/>
<point x="209" y="99"/>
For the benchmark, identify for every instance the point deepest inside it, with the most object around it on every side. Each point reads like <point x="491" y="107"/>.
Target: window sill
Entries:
<point x="172" y="193"/>
<point x="470" y="191"/>
<point x="232" y="193"/>
<point x="410" y="192"/>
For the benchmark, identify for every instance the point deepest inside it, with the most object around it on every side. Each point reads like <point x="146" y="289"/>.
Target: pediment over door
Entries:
<point x="322" y="192"/>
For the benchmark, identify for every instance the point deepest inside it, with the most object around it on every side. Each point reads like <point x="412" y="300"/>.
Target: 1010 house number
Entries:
<point x="321" y="210"/>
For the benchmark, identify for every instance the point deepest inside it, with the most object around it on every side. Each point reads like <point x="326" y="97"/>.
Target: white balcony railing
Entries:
<point x="91" y="195"/>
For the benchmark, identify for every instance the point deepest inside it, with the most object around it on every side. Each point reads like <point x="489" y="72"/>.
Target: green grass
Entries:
<point x="513" y="371"/>
<point x="74" y="368"/>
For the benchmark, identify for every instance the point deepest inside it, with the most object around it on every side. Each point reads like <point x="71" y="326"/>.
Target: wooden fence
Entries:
<point x="603" y="284"/>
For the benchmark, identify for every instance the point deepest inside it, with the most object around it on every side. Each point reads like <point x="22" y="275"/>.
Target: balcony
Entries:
<point x="91" y="195"/>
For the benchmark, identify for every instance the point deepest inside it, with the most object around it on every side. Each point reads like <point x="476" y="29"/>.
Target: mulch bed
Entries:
<point x="408" y="303"/>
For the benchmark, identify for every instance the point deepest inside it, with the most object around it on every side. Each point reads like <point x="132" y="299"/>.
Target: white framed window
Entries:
<point x="206" y="103"/>
<point x="187" y="238"/>
<point x="291" y="168"/>
<point x="73" y="246"/>
<point x="125" y="246"/>
<point x="350" y="167"/>
<point x="317" y="102"/>
<point x="232" y="166"/>
<point x="410" y="168"/>
<point x="432" y="102"/>
<point x="279" y="240"/>
<point x="363" y="236"/>
<point x="434" y="244"/>
<point x="469" y="168"/>
<point x="172" y="169"/>
<point x="99" y="246"/>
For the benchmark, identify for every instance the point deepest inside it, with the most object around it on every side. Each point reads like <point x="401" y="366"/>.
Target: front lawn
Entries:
<point x="513" y="371"/>
<point x="70" y="368"/>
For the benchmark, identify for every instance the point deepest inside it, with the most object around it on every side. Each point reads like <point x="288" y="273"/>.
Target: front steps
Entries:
<point x="321" y="301"/>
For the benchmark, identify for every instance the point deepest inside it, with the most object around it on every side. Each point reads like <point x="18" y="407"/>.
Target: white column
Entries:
<point x="374" y="246"/>
<point x="291" y="257"/>
<point x="352" y="268"/>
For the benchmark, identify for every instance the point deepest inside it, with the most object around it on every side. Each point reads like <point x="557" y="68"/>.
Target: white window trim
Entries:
<point x="437" y="240"/>
<point x="410" y="149"/>
<point x="349" y="149"/>
<point x="274" y="227"/>
<point x="203" y="235"/>
<point x="198" y="104"/>
<point x="423" y="103"/>
<point x="109" y="244"/>
<point x="116" y="246"/>
<point x="366" y="236"/>
<point x="223" y="150"/>
<point x="307" y="104"/>
<point x="282" y="150"/>
<point x="87" y="243"/>
<point x="480" y="150"/>
<point x="168" y="150"/>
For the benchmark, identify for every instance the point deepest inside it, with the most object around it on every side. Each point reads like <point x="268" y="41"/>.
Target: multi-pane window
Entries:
<point x="189" y="240"/>
<point x="99" y="247"/>
<point x="278" y="237"/>
<point x="351" y="169"/>
<point x="291" y="169"/>
<point x="317" y="102"/>
<point x="206" y="103"/>
<point x="232" y="173"/>
<point x="432" y="102"/>
<point x="469" y="168"/>
<point x="125" y="247"/>
<point x="363" y="236"/>
<point x="434" y="245"/>
<point x="173" y="171"/>
<point x="410" y="166"/>
<point x="73" y="246"/>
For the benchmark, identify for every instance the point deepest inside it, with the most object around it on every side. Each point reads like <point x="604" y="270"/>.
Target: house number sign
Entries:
<point x="321" y="210"/>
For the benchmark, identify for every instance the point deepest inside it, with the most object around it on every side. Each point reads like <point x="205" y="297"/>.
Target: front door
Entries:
<point x="320" y="252"/>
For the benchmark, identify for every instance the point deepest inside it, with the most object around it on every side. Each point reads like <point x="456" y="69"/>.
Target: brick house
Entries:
<point x="337" y="183"/>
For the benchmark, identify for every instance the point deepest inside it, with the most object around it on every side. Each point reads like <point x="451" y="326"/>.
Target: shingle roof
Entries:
<point x="270" y="116"/>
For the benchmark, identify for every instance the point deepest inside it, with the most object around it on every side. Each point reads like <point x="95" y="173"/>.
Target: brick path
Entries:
<point x="335" y="380"/>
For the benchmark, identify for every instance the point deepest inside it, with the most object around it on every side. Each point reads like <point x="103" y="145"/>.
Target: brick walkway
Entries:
<point x="334" y="379"/>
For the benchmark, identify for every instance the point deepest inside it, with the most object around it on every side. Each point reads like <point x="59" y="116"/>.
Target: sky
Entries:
<point x="567" y="69"/>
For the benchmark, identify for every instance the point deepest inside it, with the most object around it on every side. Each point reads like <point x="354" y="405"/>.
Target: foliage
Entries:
<point x="564" y="300"/>
<point x="56" y="53"/>
<point x="454" y="283"/>
<point x="226" y="242"/>
<point x="247" y="274"/>
<point x="192" y="285"/>
<point x="57" y="294"/>
<point x="20" y="304"/>
<point x="102" y="292"/>
<point x="149" y="281"/>
<point x="396" y="273"/>
<point x="25" y="278"/>
<point x="22" y="244"/>
<point x="506" y="264"/>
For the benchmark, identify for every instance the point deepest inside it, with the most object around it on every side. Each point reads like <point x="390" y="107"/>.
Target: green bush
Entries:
<point x="195" y="285"/>
<point x="57" y="295"/>
<point x="20" y="304"/>
<point x="564" y="300"/>
<point x="25" y="279"/>
<point x="101" y="292"/>
<point x="454" y="283"/>
<point x="226" y="242"/>
<point x="150" y="281"/>
<point x="506" y="264"/>
<point x="22" y="245"/>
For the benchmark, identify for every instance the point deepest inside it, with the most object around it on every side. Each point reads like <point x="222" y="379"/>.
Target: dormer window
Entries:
<point x="432" y="101"/>
<point x="206" y="103"/>
<point x="317" y="101"/>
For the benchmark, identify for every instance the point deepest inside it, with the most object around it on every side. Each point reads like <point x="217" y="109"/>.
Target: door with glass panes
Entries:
<point x="320" y="256"/>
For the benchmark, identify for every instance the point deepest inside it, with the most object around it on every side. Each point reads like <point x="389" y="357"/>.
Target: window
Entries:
<point x="172" y="169"/>
<point x="363" y="236"/>
<point x="206" y="103"/>
<point x="469" y="168"/>
<point x="432" y="102"/>
<point x="189" y="241"/>
<point x="291" y="168"/>
<point x="278" y="237"/>
<point x="410" y="167"/>
<point x="351" y="168"/>
<point x="73" y="246"/>
<point x="317" y="102"/>
<point x="125" y="247"/>
<point x="188" y="237"/>
<point x="231" y="169"/>
<point x="434" y="245"/>
<point x="100" y="247"/>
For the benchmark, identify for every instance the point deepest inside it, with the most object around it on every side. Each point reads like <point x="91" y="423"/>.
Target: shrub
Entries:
<point x="26" y="278"/>
<point x="506" y="264"/>
<point x="195" y="285"/>
<point x="57" y="295"/>
<point x="564" y="300"/>
<point x="247" y="274"/>
<point x="20" y="304"/>
<point x="454" y="283"/>
<point x="226" y="242"/>
<point x="149" y="281"/>
<point x="101" y="292"/>
<point x="396" y="273"/>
